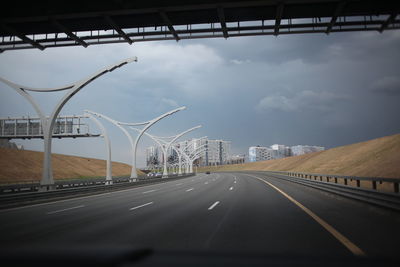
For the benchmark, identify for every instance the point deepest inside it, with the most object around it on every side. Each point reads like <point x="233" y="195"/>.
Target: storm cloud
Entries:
<point x="315" y="89"/>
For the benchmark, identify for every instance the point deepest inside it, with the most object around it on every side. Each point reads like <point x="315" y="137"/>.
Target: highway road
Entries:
<point x="219" y="212"/>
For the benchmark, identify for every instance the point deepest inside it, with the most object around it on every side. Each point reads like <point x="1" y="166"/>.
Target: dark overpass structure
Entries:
<point x="42" y="24"/>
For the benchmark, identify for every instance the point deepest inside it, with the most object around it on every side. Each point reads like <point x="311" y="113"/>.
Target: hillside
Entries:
<point x="25" y="165"/>
<point x="378" y="158"/>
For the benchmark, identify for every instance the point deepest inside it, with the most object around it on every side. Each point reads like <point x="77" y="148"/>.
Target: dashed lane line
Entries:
<point x="213" y="205"/>
<point x="72" y="208"/>
<point x="141" y="206"/>
<point x="145" y="192"/>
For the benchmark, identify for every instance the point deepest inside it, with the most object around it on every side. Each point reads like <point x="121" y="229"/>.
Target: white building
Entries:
<point x="212" y="152"/>
<point x="305" y="149"/>
<point x="258" y="153"/>
<point x="153" y="156"/>
<point x="237" y="159"/>
<point x="281" y="151"/>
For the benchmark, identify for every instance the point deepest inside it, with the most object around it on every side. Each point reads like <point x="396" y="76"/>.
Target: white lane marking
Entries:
<point x="72" y="208"/>
<point x="86" y="197"/>
<point x="145" y="192"/>
<point x="206" y="183"/>
<point x="141" y="206"/>
<point x="341" y="238"/>
<point x="190" y="189"/>
<point x="180" y="184"/>
<point x="234" y="182"/>
<point x="213" y="205"/>
<point x="231" y="188"/>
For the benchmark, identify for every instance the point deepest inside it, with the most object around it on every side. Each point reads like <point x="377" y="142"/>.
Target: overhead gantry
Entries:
<point x="134" y="143"/>
<point x="165" y="145"/>
<point x="48" y="122"/>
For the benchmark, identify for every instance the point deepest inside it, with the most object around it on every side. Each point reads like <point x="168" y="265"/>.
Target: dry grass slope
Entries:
<point x="25" y="165"/>
<point x="377" y="158"/>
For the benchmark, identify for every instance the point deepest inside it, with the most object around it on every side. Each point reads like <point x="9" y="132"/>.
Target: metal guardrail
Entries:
<point x="390" y="200"/>
<point x="374" y="183"/>
<point x="73" y="183"/>
<point x="23" y="198"/>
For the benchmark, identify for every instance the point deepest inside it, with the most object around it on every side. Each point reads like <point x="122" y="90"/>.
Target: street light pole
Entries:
<point x="47" y="181"/>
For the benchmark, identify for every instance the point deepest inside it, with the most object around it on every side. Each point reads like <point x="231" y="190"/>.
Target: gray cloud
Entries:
<point x="388" y="85"/>
<point x="297" y="89"/>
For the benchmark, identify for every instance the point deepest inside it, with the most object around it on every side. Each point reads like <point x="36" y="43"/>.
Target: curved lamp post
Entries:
<point x="107" y="141"/>
<point x="193" y="156"/>
<point x="134" y="143"/>
<point x="166" y="145"/>
<point x="181" y="152"/>
<point x="47" y="182"/>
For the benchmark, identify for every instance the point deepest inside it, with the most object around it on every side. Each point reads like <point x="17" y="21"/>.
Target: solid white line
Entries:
<point x="190" y="189"/>
<point x="72" y="208"/>
<point x="231" y="188"/>
<point x="145" y="192"/>
<point x="179" y="184"/>
<point x="213" y="205"/>
<point x="141" y="206"/>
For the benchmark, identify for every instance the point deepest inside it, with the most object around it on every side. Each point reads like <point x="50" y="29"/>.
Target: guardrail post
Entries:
<point x="335" y="180"/>
<point x="327" y="178"/>
<point x="358" y="183"/>
<point x="345" y="181"/>
<point x="320" y="178"/>
<point x="396" y="187"/>
<point x="374" y="185"/>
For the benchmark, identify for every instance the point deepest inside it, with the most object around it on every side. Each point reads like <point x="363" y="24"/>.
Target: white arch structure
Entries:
<point x="165" y="145"/>
<point x="47" y="182"/>
<point x="181" y="152"/>
<point x="107" y="141"/>
<point x="134" y="143"/>
<point x="193" y="156"/>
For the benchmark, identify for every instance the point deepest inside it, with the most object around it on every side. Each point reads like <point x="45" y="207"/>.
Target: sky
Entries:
<point x="312" y="89"/>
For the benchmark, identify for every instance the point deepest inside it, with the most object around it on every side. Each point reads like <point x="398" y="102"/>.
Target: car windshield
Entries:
<point x="247" y="131"/>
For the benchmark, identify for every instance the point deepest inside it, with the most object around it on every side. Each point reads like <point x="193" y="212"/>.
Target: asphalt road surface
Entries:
<point x="224" y="212"/>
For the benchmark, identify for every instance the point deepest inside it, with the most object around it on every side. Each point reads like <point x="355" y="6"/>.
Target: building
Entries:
<point x="237" y="159"/>
<point x="258" y="153"/>
<point x="305" y="149"/>
<point x="281" y="151"/>
<point x="154" y="157"/>
<point x="211" y="152"/>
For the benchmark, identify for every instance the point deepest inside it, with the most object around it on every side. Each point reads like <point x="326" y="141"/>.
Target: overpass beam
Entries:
<point x="70" y="34"/>
<point x="389" y="21"/>
<point x="338" y="11"/>
<point x="221" y="16"/>
<point x="168" y="22"/>
<point x="22" y="36"/>
<point x="118" y="29"/>
<point x="278" y="18"/>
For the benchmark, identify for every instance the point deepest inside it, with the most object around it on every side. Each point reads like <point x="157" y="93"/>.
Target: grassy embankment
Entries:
<point x="374" y="158"/>
<point x="26" y="166"/>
